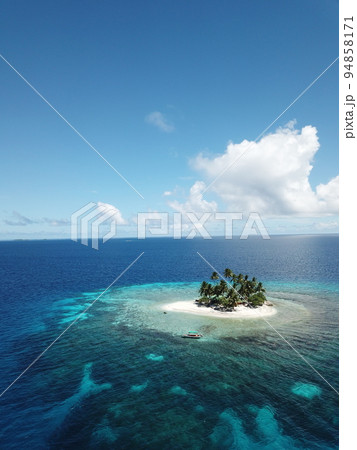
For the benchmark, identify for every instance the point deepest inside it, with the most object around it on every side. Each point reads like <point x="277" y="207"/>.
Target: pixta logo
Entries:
<point x="86" y="222"/>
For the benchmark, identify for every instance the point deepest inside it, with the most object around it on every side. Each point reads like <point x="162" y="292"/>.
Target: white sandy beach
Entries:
<point x="239" y="312"/>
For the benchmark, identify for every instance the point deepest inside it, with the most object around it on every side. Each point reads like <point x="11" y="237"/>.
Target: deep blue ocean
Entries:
<point x="122" y="377"/>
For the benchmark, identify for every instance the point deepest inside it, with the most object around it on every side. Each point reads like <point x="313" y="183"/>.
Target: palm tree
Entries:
<point x="232" y="296"/>
<point x="228" y="273"/>
<point x="203" y="289"/>
<point x="223" y="287"/>
<point x="237" y="279"/>
<point x="251" y="287"/>
<point x="209" y="290"/>
<point x="217" y="290"/>
<point x="241" y="290"/>
<point x="259" y="287"/>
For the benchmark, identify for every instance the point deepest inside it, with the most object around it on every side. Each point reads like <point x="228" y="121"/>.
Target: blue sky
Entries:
<point x="152" y="85"/>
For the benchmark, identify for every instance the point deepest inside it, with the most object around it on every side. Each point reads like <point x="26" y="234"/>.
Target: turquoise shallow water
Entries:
<point x="124" y="378"/>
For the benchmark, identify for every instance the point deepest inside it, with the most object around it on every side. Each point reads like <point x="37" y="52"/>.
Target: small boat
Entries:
<point x="192" y="335"/>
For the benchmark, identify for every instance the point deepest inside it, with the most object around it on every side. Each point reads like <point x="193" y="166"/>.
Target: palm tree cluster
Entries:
<point x="238" y="290"/>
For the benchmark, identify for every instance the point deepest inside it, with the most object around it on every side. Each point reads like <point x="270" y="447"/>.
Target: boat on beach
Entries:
<point x="192" y="335"/>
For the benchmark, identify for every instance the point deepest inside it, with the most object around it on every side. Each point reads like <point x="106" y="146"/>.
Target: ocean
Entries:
<point x="122" y="376"/>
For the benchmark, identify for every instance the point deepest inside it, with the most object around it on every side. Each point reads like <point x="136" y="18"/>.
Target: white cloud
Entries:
<point x="195" y="202"/>
<point x="167" y="193"/>
<point x="327" y="194"/>
<point x="20" y="220"/>
<point x="109" y="209"/>
<point x="157" y="119"/>
<point x="328" y="226"/>
<point x="291" y="124"/>
<point x="270" y="176"/>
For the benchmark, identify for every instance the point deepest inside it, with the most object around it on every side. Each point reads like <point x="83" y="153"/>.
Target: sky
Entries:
<point x="175" y="97"/>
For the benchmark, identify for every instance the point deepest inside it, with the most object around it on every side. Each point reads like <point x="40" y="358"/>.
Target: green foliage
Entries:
<point x="257" y="299"/>
<point x="228" y="273"/>
<point x="228" y="294"/>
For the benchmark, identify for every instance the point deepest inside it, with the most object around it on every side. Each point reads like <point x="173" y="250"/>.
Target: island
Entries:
<point x="234" y="296"/>
<point x="239" y="290"/>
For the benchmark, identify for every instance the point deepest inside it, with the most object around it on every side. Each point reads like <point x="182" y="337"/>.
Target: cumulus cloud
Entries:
<point x="112" y="212"/>
<point x="157" y="119"/>
<point x="270" y="176"/>
<point x="195" y="201"/>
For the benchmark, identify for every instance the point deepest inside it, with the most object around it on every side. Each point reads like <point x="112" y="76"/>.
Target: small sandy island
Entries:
<point x="239" y="312"/>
